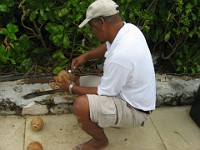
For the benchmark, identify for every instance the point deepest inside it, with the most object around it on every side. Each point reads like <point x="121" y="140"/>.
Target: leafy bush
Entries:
<point x="43" y="35"/>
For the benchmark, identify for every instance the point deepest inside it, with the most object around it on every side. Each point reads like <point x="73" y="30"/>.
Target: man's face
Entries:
<point x="97" y="28"/>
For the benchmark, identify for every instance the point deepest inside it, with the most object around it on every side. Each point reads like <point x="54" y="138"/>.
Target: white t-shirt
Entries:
<point x="128" y="69"/>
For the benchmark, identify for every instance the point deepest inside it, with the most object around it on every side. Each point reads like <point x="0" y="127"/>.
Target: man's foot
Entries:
<point x="92" y="145"/>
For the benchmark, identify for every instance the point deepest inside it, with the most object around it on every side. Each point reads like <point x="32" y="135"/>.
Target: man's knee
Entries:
<point x="81" y="105"/>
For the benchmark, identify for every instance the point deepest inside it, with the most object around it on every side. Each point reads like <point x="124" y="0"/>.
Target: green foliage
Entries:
<point x="58" y="34"/>
<point x="45" y="33"/>
<point x="10" y="31"/>
<point x="183" y="25"/>
<point x="61" y="63"/>
<point x="13" y="51"/>
<point x="59" y="21"/>
<point x="171" y="28"/>
<point x="188" y="59"/>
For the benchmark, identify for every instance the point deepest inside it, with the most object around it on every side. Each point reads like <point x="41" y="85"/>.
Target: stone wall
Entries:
<point x="171" y="91"/>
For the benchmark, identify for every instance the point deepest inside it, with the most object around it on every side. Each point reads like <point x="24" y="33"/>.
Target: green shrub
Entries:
<point x="43" y="35"/>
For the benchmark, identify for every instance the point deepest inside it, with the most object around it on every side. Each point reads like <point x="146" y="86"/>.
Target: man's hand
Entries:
<point x="76" y="62"/>
<point x="96" y="53"/>
<point x="63" y="83"/>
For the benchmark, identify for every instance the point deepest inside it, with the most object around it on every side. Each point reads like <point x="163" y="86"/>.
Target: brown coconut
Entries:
<point x="37" y="123"/>
<point x="53" y="85"/>
<point x="35" y="146"/>
<point x="58" y="78"/>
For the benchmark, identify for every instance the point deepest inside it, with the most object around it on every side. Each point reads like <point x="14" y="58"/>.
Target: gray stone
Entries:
<point x="187" y="98"/>
<point x="8" y="107"/>
<point x="61" y="109"/>
<point x="159" y="101"/>
<point x="35" y="109"/>
<point x="171" y="91"/>
<point x="175" y="90"/>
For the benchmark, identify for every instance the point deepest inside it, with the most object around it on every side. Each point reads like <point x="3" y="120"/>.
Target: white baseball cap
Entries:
<point x="99" y="8"/>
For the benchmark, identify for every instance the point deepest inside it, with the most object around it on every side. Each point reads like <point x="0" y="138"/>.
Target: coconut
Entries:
<point x="37" y="123"/>
<point x="35" y="146"/>
<point x="58" y="78"/>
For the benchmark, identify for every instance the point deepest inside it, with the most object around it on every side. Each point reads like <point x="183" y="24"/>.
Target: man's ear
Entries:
<point x="102" y="22"/>
<point x="102" y="19"/>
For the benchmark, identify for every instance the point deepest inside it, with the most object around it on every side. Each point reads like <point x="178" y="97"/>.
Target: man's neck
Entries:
<point x="113" y="30"/>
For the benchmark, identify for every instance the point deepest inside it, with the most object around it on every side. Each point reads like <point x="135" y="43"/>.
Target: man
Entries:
<point x="126" y="93"/>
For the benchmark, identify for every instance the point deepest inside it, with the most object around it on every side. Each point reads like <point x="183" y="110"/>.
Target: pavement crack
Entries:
<point x="24" y="134"/>
<point x="158" y="133"/>
<point x="177" y="133"/>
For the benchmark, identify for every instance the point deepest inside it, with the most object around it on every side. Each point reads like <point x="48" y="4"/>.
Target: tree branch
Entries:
<point x="39" y="35"/>
<point x="22" y="22"/>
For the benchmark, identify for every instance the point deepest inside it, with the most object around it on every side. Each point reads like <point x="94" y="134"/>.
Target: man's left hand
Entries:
<point x="64" y="83"/>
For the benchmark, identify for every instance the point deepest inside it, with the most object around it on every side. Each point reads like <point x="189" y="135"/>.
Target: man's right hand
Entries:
<point x="78" y="61"/>
<point x="96" y="53"/>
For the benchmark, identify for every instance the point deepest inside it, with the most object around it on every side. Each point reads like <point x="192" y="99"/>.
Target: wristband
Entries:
<point x="70" y="88"/>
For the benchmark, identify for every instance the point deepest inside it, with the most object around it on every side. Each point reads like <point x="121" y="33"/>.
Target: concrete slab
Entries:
<point x="139" y="138"/>
<point x="12" y="132"/>
<point x="176" y="129"/>
<point x="168" y="128"/>
<point x="63" y="133"/>
<point x="59" y="133"/>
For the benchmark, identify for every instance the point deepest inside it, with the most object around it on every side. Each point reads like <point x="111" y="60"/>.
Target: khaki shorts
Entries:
<point x="111" y="111"/>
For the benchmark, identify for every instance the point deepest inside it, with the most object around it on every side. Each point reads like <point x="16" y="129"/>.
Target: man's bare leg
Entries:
<point x="81" y="111"/>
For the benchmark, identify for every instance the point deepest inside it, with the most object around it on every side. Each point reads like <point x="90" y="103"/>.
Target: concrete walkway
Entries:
<point x="168" y="128"/>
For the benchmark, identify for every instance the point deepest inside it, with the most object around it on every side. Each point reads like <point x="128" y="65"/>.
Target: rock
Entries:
<point x="171" y="91"/>
<point x="61" y="109"/>
<point x="35" y="109"/>
<point x="62" y="98"/>
<point x="159" y="100"/>
<point x="8" y="107"/>
<point x="175" y="90"/>
<point x="187" y="98"/>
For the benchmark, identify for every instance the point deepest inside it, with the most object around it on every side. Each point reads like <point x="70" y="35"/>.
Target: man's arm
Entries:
<point x="80" y="90"/>
<point x="96" y="53"/>
<point x="64" y="84"/>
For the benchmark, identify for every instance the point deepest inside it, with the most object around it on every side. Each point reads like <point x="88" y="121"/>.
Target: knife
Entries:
<point x="38" y="93"/>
